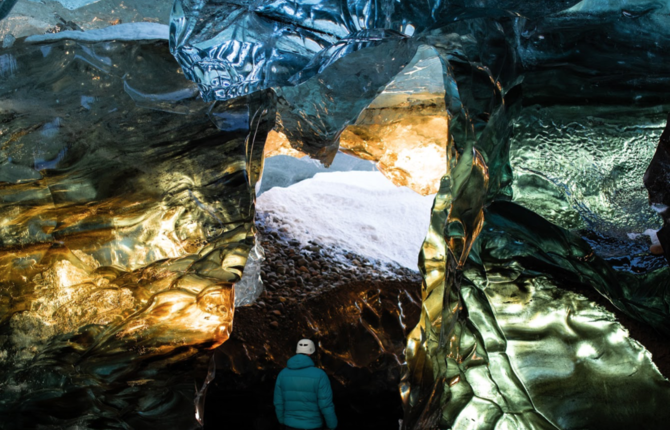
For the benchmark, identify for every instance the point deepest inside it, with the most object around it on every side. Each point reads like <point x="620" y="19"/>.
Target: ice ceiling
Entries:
<point x="127" y="194"/>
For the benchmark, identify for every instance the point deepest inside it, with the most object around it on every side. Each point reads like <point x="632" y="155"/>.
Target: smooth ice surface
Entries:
<point x="562" y="345"/>
<point x="125" y="32"/>
<point x="352" y="210"/>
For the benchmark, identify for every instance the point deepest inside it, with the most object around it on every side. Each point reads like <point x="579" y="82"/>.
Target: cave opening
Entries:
<point x="329" y="276"/>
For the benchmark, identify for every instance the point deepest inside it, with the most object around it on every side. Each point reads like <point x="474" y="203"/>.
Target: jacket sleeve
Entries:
<point x="279" y="400"/>
<point x="326" y="402"/>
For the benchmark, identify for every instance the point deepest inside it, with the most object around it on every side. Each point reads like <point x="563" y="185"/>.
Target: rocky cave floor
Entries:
<point x="358" y="313"/>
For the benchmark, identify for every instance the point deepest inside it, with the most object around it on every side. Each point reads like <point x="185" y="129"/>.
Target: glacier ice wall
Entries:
<point x="127" y="217"/>
<point x="128" y="191"/>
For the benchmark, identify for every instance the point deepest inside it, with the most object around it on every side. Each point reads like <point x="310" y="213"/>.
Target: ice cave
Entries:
<point x="464" y="203"/>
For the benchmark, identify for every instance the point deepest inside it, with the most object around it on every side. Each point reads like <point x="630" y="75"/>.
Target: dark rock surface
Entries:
<point x="292" y="272"/>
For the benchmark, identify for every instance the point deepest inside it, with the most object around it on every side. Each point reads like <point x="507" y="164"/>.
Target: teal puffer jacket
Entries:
<point x="303" y="395"/>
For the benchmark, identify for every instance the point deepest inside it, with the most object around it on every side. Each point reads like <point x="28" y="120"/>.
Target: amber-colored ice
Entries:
<point x="404" y="130"/>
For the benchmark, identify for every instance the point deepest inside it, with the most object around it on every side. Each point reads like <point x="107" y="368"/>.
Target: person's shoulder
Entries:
<point x="311" y="371"/>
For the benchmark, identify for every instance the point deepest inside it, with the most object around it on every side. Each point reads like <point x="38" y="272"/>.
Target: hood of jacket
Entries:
<point x="299" y="361"/>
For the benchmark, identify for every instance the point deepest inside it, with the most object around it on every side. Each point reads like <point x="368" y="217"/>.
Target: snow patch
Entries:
<point x="127" y="32"/>
<point x="362" y="212"/>
<point x="648" y="232"/>
<point x="653" y="236"/>
<point x="659" y="207"/>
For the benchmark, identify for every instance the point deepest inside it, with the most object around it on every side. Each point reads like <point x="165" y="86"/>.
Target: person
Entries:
<point x="303" y="397"/>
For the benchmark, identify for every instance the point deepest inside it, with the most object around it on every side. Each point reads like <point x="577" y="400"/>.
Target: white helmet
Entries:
<point x="305" y="346"/>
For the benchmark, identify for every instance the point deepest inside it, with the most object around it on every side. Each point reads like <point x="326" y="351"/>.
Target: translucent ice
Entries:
<point x="128" y="201"/>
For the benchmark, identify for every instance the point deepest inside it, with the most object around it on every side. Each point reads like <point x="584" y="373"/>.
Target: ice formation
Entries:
<point x="121" y="32"/>
<point x="122" y="234"/>
<point x="250" y="285"/>
<point x="128" y="194"/>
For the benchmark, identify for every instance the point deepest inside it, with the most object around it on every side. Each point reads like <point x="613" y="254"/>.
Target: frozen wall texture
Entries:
<point x="127" y="217"/>
<point x="127" y="195"/>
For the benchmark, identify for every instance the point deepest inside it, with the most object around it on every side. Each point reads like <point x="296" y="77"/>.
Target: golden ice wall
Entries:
<point x="126" y="218"/>
<point x="403" y="130"/>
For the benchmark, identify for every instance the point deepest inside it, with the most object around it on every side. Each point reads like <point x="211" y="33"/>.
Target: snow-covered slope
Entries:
<point x="360" y="212"/>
